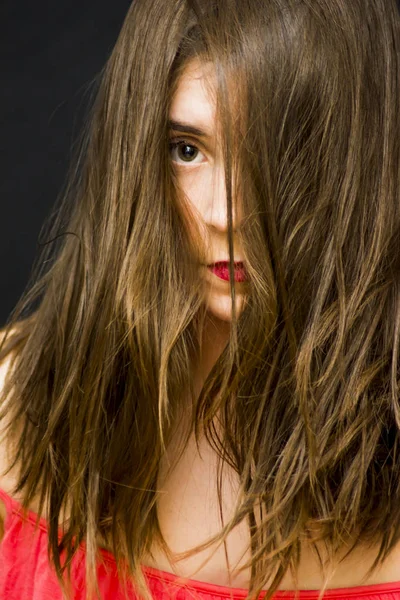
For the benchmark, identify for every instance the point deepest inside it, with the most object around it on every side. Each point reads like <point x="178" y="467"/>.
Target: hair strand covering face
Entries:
<point x="307" y="389"/>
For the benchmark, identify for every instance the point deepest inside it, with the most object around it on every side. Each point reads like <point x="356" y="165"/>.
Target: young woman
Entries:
<point x="200" y="389"/>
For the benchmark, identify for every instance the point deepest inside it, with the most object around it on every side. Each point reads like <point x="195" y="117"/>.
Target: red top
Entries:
<point x="25" y="573"/>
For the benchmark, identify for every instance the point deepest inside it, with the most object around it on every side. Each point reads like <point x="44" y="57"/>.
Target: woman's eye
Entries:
<point x="183" y="151"/>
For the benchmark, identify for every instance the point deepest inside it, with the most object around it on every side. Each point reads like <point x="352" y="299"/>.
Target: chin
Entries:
<point x="219" y="306"/>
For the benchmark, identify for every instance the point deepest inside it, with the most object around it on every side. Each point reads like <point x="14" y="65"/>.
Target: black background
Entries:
<point x="50" y="55"/>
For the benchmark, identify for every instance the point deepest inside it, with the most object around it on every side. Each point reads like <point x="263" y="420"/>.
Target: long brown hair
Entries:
<point x="306" y="390"/>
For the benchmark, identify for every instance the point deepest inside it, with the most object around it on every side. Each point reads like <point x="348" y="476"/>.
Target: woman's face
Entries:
<point x="198" y="166"/>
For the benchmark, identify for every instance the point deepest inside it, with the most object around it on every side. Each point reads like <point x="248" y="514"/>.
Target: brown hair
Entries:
<point x="108" y="332"/>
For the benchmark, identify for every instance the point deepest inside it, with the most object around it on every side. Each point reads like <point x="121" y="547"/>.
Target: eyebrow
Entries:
<point x="186" y="128"/>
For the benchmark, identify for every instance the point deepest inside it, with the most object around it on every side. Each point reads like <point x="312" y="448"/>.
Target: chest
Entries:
<point x="189" y="514"/>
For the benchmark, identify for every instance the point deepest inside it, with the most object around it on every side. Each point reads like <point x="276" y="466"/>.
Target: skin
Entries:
<point x="199" y="168"/>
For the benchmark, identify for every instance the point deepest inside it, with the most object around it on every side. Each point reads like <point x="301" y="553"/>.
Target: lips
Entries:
<point x="221" y="270"/>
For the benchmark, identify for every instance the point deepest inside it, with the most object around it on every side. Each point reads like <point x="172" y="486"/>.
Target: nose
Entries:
<point x="216" y="213"/>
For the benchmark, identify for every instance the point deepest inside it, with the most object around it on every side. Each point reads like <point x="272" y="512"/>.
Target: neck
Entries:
<point x="214" y="339"/>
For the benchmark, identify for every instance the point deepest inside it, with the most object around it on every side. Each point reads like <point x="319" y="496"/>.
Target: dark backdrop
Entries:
<point x="50" y="54"/>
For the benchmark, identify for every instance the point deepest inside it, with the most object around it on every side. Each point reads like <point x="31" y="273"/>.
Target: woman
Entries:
<point x="201" y="384"/>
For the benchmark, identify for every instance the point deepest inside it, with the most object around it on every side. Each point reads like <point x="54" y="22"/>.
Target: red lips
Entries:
<point x="221" y="270"/>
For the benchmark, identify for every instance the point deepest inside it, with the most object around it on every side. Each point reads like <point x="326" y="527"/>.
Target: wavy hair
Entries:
<point x="105" y="338"/>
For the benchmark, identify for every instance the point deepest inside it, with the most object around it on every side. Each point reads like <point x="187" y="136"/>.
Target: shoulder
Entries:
<point x="9" y="478"/>
<point x="6" y="480"/>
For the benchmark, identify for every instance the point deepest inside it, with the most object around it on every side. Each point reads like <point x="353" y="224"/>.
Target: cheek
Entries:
<point x="195" y="189"/>
<point x="195" y="186"/>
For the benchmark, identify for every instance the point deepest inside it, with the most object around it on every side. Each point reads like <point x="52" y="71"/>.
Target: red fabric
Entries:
<point x="25" y="573"/>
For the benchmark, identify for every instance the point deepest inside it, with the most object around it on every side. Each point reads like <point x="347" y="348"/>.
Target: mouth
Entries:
<point x="221" y="270"/>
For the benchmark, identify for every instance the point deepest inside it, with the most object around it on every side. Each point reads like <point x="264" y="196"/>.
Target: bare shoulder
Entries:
<point x="9" y="478"/>
<point x="6" y="480"/>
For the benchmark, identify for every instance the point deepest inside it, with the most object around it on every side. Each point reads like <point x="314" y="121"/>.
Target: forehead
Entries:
<point x="193" y="101"/>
